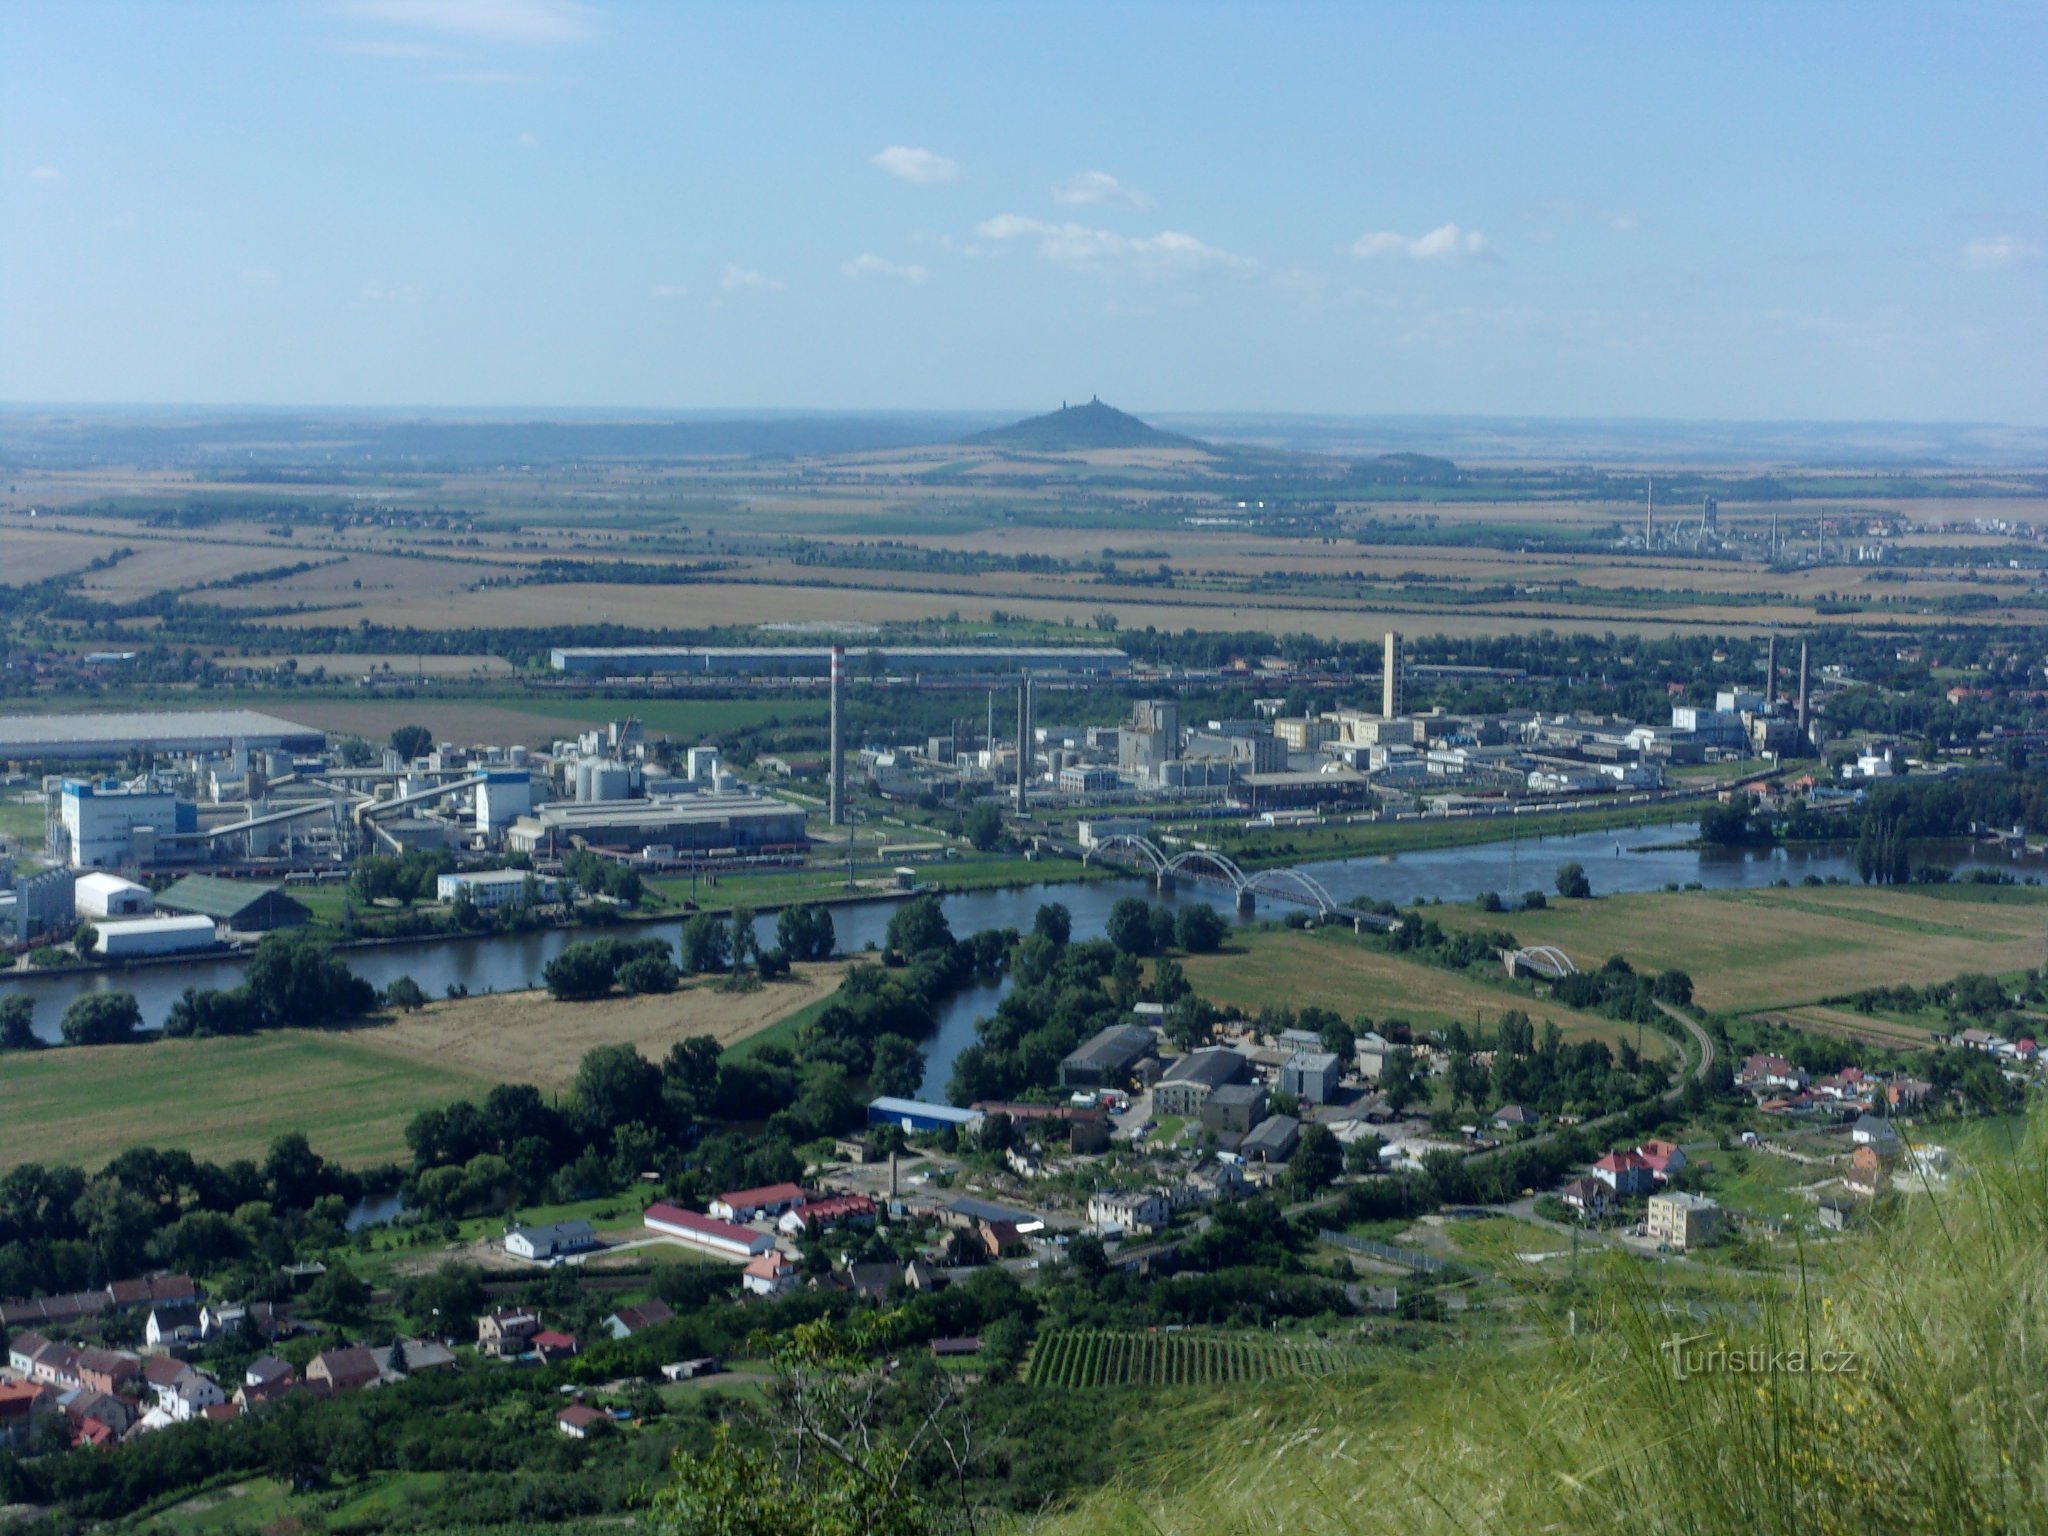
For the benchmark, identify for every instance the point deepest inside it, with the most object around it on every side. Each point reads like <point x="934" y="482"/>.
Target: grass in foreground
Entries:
<point x="1900" y="1386"/>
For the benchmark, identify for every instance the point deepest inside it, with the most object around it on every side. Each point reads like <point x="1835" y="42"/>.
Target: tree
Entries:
<point x="579" y="972"/>
<point x="101" y="1018"/>
<point x="1398" y="1082"/>
<point x="1053" y="922"/>
<point x="919" y="925"/>
<point x="340" y="1295"/>
<point x="411" y="741"/>
<point x="806" y="933"/>
<point x="615" y="1085"/>
<point x="1130" y="926"/>
<point x="296" y="982"/>
<point x="1200" y="928"/>
<point x="405" y="994"/>
<point x="18" y="1024"/>
<point x="743" y="944"/>
<point x="985" y="826"/>
<point x="1317" y="1160"/>
<point x="648" y="974"/>
<point x="706" y="944"/>
<point x="898" y="1066"/>
<point x="1572" y="882"/>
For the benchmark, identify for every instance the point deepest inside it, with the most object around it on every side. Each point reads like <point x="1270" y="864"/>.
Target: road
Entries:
<point x="1700" y="1037"/>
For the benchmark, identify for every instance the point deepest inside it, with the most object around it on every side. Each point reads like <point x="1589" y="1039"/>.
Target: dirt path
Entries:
<point x="529" y="1037"/>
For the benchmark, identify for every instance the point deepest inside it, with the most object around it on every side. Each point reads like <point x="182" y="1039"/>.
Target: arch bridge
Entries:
<point x="1204" y="864"/>
<point x="1545" y="960"/>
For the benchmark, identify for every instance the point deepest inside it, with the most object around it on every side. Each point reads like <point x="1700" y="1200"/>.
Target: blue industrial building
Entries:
<point x="915" y="1115"/>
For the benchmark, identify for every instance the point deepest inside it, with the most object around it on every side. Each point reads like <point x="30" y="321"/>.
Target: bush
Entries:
<point x="102" y="1018"/>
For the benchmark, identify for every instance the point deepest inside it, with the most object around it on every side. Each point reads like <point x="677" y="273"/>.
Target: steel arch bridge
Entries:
<point x="1201" y="863"/>
<point x="1541" y="960"/>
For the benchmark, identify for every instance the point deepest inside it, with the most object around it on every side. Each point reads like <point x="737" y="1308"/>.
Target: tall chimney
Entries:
<point x="838" y="768"/>
<point x="1649" y="514"/>
<point x="1771" y="675"/>
<point x="1802" y="687"/>
<point x="1023" y="743"/>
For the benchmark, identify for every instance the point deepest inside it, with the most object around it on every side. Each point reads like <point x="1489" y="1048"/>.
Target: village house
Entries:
<point x="1589" y="1196"/>
<point x="1626" y="1173"/>
<point x="832" y="1210"/>
<point x="552" y="1344"/>
<point x="1766" y="1071"/>
<point x="743" y="1205"/>
<point x="1117" y="1210"/>
<point x="627" y="1321"/>
<point x="1664" y="1157"/>
<point x="1866" y="1175"/>
<point x="557" y="1240"/>
<point x="579" y="1419"/>
<point x="1684" y="1221"/>
<point x="504" y="1333"/>
<point x="770" y="1274"/>
<point x="345" y="1370"/>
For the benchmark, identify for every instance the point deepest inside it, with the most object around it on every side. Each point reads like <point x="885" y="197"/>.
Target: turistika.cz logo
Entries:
<point x="1693" y="1357"/>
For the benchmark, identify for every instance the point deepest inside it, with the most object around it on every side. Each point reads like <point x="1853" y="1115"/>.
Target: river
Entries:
<point x="1633" y="859"/>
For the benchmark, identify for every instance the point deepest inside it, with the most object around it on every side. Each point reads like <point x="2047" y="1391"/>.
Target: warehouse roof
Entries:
<point x="1215" y="1067"/>
<point x="1113" y="1048"/>
<point x="222" y="900"/>
<point x="29" y="732"/>
<point x="676" y="811"/>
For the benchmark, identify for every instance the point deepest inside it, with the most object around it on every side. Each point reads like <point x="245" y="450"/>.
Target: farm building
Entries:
<point x="706" y="1233"/>
<point x="141" y="937"/>
<point x="751" y="1204"/>
<point x="916" y="1115"/>
<point x="246" y="906"/>
<point x="553" y="1241"/>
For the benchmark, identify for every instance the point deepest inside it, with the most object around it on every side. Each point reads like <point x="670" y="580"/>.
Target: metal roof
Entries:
<point x="31" y="732"/>
<point x="214" y="897"/>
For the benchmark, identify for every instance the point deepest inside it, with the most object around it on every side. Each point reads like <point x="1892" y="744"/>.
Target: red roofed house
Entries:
<point x="1588" y="1196"/>
<point x="705" y="1233"/>
<point x="506" y="1332"/>
<point x="1664" y="1158"/>
<point x="752" y="1204"/>
<point x="852" y="1210"/>
<point x="769" y="1274"/>
<point x="18" y="1403"/>
<point x="627" y="1321"/>
<point x="1626" y="1173"/>
<point x="346" y="1370"/>
<point x="578" y="1419"/>
<point x="550" y="1345"/>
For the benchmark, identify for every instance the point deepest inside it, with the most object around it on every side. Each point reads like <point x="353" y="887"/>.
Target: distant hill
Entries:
<point x="1076" y="428"/>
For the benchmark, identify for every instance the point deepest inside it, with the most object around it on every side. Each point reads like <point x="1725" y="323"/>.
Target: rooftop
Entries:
<point x="115" y="730"/>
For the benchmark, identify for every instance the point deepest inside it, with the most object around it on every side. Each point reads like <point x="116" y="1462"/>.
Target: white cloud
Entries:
<point x="738" y="279"/>
<point x="1085" y="248"/>
<point x="528" y="140"/>
<point x="919" y="166"/>
<point x="867" y="265"/>
<point x="501" y="21"/>
<point x="1447" y="242"/>
<point x="1992" y="252"/>
<point x="668" y="291"/>
<point x="1099" y="189"/>
<point x="46" y="173"/>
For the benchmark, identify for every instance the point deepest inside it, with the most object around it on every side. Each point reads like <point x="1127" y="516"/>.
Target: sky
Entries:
<point x="1707" y="211"/>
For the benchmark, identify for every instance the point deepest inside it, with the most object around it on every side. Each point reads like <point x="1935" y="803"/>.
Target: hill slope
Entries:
<point x="1077" y="428"/>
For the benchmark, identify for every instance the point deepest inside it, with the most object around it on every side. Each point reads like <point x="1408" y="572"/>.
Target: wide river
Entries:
<point x="1634" y="859"/>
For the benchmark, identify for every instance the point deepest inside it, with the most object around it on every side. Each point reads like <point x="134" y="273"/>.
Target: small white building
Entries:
<point x="101" y="895"/>
<point x="497" y="887"/>
<point x="1122" y="1210"/>
<point x="143" y="936"/>
<point x="769" y="1274"/>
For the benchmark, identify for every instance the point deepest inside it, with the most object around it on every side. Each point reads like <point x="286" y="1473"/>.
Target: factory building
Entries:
<point x="701" y="823"/>
<point x="505" y="795"/>
<point x="108" y="825"/>
<point x="1047" y="661"/>
<point x="44" y="905"/>
<point x="162" y="733"/>
<point x="241" y="906"/>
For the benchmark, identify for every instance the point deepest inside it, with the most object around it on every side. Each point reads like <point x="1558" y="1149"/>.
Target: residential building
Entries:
<point x="1127" y="1210"/>
<point x="579" y="1419"/>
<point x="1683" y="1220"/>
<point x="627" y="1321"/>
<point x="1589" y="1196"/>
<point x="769" y="1274"/>
<point x="1879" y="1136"/>
<point x="506" y="1332"/>
<point x="1626" y="1173"/>
<point x="346" y="1370"/>
<point x="552" y="1344"/>
<point x="831" y="1211"/>
<point x="1664" y="1157"/>
<point x="1866" y="1175"/>
<point x="489" y="888"/>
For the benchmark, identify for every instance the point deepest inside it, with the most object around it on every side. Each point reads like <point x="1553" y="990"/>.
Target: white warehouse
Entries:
<point x="141" y="937"/>
<point x="101" y="895"/>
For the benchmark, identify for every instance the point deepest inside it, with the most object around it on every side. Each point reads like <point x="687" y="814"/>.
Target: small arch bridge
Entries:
<point x="1202" y="863"/>
<point x="1545" y="960"/>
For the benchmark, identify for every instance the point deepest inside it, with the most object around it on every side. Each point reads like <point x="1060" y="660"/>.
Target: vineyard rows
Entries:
<point x="1097" y="1357"/>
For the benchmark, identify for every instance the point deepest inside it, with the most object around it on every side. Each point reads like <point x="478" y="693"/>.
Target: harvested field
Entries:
<point x="529" y="1037"/>
<point x="1333" y="969"/>
<point x="1848" y="1024"/>
<point x="1782" y="947"/>
<point x="34" y="555"/>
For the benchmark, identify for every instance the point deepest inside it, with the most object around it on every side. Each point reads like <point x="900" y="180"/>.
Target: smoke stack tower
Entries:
<point x="1802" y="687"/>
<point x="838" y="770"/>
<point x="1649" y="514"/>
<point x="1023" y="743"/>
<point x="1771" y="675"/>
<point x="1391" y="701"/>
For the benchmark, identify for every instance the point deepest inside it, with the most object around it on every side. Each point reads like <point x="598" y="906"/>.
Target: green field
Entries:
<point x="218" y="1099"/>
<point x="1107" y="1357"/>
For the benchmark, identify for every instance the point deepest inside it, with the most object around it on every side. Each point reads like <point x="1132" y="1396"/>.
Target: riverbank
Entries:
<point x="1354" y="840"/>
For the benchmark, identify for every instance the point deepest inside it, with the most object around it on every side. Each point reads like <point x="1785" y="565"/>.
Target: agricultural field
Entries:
<point x="1104" y="1357"/>
<point x="1783" y="947"/>
<point x="1332" y="968"/>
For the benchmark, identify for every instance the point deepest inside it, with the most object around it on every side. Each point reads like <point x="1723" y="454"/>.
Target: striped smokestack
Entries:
<point x="838" y="769"/>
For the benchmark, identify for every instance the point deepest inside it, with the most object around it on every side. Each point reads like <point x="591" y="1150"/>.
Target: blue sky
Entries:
<point x="1726" y="211"/>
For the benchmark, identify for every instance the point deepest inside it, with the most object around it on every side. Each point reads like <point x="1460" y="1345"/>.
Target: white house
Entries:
<point x="1123" y="1210"/>
<point x="556" y="1240"/>
<point x="769" y="1274"/>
